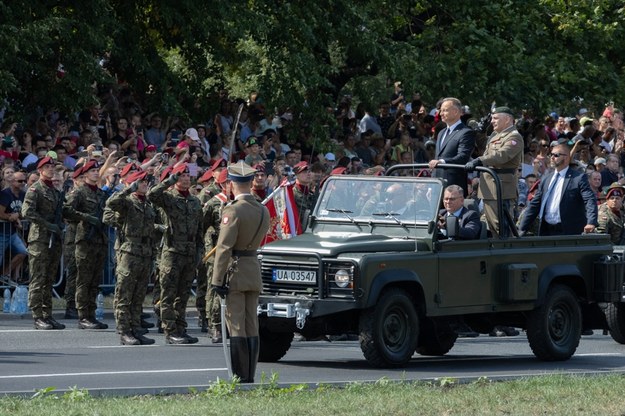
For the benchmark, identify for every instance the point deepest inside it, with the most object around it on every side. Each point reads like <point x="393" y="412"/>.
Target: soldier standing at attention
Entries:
<point x="69" y="255"/>
<point x="86" y="205"/>
<point x="181" y="251"/>
<point x="304" y="197"/>
<point x="135" y="256"/>
<point x="504" y="153"/>
<point x="611" y="218"/>
<point x="236" y="274"/>
<point x="212" y="218"/>
<point x="42" y="205"/>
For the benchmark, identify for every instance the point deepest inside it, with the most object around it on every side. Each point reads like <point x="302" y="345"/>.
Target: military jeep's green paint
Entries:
<point x="383" y="270"/>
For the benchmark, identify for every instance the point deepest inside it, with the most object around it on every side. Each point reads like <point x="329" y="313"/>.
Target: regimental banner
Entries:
<point x="284" y="222"/>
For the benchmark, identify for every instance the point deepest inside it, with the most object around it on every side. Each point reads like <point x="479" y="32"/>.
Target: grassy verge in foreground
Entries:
<point x="549" y="395"/>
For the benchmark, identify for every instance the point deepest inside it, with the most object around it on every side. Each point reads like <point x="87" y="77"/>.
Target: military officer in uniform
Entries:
<point x="236" y="274"/>
<point x="42" y="206"/>
<point x="611" y="217"/>
<point x="304" y="197"/>
<point x="181" y="250"/>
<point x="209" y="306"/>
<point x="86" y="205"/>
<point x="135" y="256"/>
<point x="504" y="153"/>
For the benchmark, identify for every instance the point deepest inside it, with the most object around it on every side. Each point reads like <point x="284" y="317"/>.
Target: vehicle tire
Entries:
<point x="554" y="328"/>
<point x="436" y="339"/>
<point x="390" y="330"/>
<point x="615" y="315"/>
<point x="273" y="345"/>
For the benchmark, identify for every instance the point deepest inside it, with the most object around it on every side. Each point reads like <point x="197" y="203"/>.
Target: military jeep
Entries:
<point x="389" y="274"/>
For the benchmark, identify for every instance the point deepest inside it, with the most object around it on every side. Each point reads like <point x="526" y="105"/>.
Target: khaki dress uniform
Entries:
<point x="244" y="224"/>
<point x="504" y="153"/>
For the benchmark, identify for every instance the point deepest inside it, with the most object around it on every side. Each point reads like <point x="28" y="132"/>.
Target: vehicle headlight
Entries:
<point x="341" y="278"/>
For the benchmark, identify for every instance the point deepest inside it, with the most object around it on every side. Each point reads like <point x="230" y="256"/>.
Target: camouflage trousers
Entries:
<point x="90" y="259"/>
<point x="44" y="266"/>
<point x="177" y="272"/>
<point x="133" y="273"/>
<point x="213" y="304"/>
<point x="202" y="289"/>
<point x="69" y="257"/>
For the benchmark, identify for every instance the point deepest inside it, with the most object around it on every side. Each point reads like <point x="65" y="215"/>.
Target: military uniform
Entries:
<point x="69" y="258"/>
<point x="86" y="205"/>
<point x="180" y="256"/>
<point x="504" y="153"/>
<point x="41" y="206"/>
<point x="611" y="223"/>
<point x="208" y="302"/>
<point x="135" y="259"/>
<point x="243" y="226"/>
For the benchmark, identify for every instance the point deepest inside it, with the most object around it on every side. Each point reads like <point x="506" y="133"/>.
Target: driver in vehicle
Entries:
<point x="469" y="225"/>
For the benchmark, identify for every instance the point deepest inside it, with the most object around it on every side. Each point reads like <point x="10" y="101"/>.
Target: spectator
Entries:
<point x="385" y="119"/>
<point x="156" y="133"/>
<point x="612" y="172"/>
<point x="11" y="200"/>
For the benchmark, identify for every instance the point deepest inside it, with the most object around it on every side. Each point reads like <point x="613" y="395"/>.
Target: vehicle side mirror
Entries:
<point x="451" y="226"/>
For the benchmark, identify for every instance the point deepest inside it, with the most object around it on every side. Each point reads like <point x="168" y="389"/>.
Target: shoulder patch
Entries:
<point x="225" y="220"/>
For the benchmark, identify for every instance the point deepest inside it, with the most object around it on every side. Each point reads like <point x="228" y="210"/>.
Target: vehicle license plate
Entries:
<point x="294" y="276"/>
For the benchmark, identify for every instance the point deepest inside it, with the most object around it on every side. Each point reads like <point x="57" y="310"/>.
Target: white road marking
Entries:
<point x="109" y="373"/>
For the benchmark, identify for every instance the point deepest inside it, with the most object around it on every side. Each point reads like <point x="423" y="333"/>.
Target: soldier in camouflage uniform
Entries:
<point x="42" y="205"/>
<point x="212" y="217"/>
<point x="69" y="256"/>
<point x="304" y="197"/>
<point x="135" y="256"/>
<point x="212" y="188"/>
<point x="183" y="245"/>
<point x="86" y="205"/>
<point x="611" y="218"/>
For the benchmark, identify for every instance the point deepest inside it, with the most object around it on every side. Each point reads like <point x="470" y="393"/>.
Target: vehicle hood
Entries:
<point x="333" y="244"/>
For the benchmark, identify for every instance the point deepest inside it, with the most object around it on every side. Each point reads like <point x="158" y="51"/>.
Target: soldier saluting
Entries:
<point x="236" y="274"/>
<point x="42" y="206"/>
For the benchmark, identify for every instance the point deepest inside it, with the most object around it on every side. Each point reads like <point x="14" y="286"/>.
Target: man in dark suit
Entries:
<point x="453" y="144"/>
<point x="469" y="225"/>
<point x="564" y="203"/>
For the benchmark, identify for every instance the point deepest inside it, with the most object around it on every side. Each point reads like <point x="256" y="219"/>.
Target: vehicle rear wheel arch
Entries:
<point x="568" y="275"/>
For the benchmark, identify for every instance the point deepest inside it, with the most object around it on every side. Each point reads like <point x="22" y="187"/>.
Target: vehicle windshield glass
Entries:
<point x="387" y="199"/>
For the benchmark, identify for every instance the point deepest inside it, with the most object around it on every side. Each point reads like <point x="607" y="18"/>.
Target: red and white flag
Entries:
<point x="284" y="222"/>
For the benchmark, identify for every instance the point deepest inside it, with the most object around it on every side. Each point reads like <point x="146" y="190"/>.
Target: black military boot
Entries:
<point x="240" y="358"/>
<point x="143" y="340"/>
<point x="128" y="339"/>
<point x="55" y="324"/>
<point x="41" y="323"/>
<point x="145" y="324"/>
<point x="71" y="312"/>
<point x="175" y="338"/>
<point x="253" y="346"/>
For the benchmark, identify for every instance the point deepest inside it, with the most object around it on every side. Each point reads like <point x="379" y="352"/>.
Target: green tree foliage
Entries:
<point x="175" y="56"/>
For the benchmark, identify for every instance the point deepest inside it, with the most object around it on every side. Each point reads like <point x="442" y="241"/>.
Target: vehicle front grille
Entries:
<point x="290" y="289"/>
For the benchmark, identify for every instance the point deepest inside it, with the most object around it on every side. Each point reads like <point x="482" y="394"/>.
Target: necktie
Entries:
<point x="548" y="195"/>
<point x="445" y="136"/>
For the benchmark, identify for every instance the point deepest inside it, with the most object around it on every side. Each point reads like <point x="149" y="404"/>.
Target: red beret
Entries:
<point x="92" y="164"/>
<point x="206" y="176"/>
<point x="259" y="167"/>
<point x="300" y="167"/>
<point x="180" y="169"/>
<point x="223" y="176"/>
<point x="424" y="173"/>
<point x="165" y="173"/>
<point x="338" y="171"/>
<point x="77" y="171"/>
<point x="47" y="160"/>
<point x="136" y="176"/>
<point x="219" y="163"/>
<point x="130" y="167"/>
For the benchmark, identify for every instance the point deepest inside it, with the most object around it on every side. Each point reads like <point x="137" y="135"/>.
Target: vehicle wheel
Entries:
<point x="390" y="330"/>
<point x="615" y="315"/>
<point x="436" y="339"/>
<point x="554" y="328"/>
<point x="273" y="345"/>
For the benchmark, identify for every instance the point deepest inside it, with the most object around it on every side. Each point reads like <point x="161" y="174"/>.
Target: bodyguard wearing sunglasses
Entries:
<point x="564" y="204"/>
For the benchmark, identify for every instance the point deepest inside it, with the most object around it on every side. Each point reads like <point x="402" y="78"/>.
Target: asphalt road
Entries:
<point x="94" y="360"/>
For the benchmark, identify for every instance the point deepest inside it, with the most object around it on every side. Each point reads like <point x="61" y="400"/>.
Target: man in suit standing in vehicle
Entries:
<point x="453" y="144"/>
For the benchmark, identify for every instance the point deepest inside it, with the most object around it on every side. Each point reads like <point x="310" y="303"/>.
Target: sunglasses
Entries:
<point x="556" y="154"/>
<point x="544" y="145"/>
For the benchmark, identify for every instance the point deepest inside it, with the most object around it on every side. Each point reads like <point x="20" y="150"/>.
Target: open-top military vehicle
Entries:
<point x="388" y="274"/>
